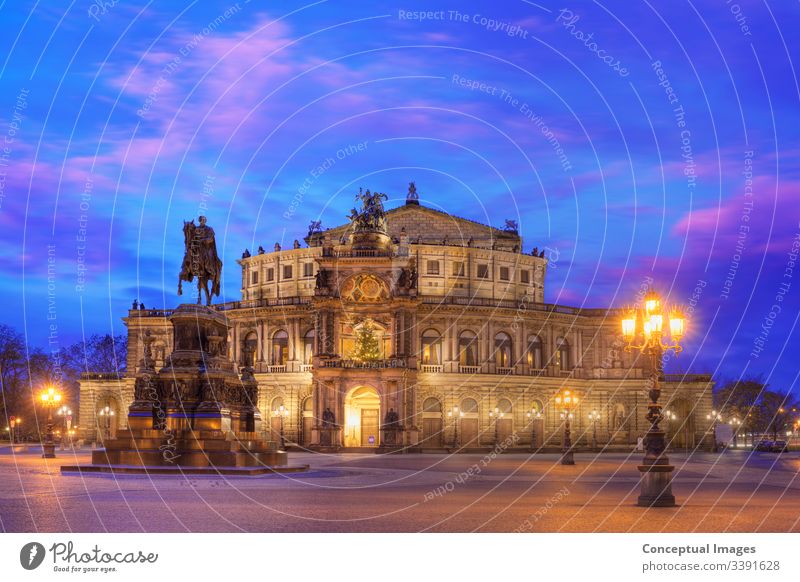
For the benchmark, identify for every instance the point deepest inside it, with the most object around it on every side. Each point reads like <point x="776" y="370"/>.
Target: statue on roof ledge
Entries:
<point x="372" y="216"/>
<point x="412" y="197"/>
<point x="511" y="226"/>
<point x="314" y="227"/>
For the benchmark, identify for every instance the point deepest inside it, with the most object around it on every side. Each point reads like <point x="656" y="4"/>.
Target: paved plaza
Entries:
<point x="734" y="492"/>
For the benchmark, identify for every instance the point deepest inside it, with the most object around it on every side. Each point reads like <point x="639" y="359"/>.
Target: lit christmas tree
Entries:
<point x="367" y="345"/>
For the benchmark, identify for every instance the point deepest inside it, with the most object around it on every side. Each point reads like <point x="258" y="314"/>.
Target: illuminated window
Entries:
<point x="308" y="346"/>
<point x="535" y="352"/>
<point x="431" y="348"/>
<point x="280" y="348"/>
<point x="502" y="350"/>
<point x="467" y="349"/>
<point x="563" y="356"/>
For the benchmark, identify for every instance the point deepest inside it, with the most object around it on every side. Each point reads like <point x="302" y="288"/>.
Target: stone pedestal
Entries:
<point x="196" y="411"/>
<point x="656" y="489"/>
<point x="391" y="437"/>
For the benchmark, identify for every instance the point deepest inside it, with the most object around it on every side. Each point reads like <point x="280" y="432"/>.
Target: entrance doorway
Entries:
<point x="362" y="410"/>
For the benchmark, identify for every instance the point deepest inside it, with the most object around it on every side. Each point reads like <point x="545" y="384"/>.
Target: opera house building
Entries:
<point x="410" y="329"/>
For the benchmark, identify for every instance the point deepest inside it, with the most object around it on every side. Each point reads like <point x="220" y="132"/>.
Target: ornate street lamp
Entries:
<point x="13" y="423"/>
<point x="50" y="398"/>
<point x="654" y="330"/>
<point x="106" y="415"/>
<point x="455" y="414"/>
<point x="735" y="422"/>
<point x="594" y="416"/>
<point x="714" y="417"/>
<point x="533" y="416"/>
<point x="281" y="412"/>
<point x="567" y="401"/>
<point x="497" y="415"/>
<point x="66" y="415"/>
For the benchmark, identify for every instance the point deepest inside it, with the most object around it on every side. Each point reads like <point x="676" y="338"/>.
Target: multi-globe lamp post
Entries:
<point x="455" y="414"/>
<point x="594" y="416"/>
<point x="106" y="416"/>
<point x="282" y="413"/>
<point x="566" y="401"/>
<point x="654" y="329"/>
<point x="50" y="398"/>
<point x="65" y="412"/>
<point x="715" y="417"/>
<point x="534" y="415"/>
<point x="497" y="414"/>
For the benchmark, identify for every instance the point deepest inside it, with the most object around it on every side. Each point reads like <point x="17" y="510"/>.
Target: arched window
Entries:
<point x="504" y="406"/>
<point x="467" y="349"/>
<point x="308" y="346"/>
<point x="277" y="403"/>
<point x="537" y="409"/>
<point x="469" y="405"/>
<point x="563" y="356"/>
<point x="280" y="348"/>
<point x="502" y="350"/>
<point x="249" y="349"/>
<point x="431" y="405"/>
<point x="535" y="356"/>
<point x="431" y="347"/>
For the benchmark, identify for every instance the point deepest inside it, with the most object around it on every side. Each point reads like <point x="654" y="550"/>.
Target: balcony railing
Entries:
<point x="505" y="371"/>
<point x="277" y="369"/>
<point x="370" y="364"/>
<point x="430" y="368"/>
<point x="518" y="304"/>
<point x="306" y="367"/>
<point x="469" y="369"/>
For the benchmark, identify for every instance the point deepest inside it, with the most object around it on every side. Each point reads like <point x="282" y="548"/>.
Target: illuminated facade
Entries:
<point x="422" y="330"/>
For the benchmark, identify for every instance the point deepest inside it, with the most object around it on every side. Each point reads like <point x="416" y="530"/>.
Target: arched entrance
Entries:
<point x="362" y="414"/>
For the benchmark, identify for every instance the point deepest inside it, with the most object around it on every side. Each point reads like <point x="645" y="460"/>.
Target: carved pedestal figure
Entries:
<point x="196" y="411"/>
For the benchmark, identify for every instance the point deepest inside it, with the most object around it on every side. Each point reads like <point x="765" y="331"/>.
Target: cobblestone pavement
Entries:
<point x="736" y="492"/>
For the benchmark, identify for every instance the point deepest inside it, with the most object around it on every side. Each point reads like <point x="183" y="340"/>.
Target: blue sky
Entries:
<point x="636" y="139"/>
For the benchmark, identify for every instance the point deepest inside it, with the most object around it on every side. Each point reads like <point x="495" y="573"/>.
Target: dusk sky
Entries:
<point x="632" y="139"/>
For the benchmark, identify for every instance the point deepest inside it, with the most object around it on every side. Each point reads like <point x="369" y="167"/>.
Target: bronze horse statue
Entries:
<point x="200" y="260"/>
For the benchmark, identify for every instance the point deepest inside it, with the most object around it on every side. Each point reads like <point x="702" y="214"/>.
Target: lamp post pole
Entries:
<point x="534" y="415"/>
<point x="50" y="398"/>
<point x="644" y="330"/>
<point x="714" y="417"/>
<point x="497" y="415"/>
<point x="567" y="401"/>
<point x="455" y="415"/>
<point x="594" y="416"/>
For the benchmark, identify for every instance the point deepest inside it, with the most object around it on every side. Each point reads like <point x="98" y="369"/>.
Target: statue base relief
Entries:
<point x="195" y="415"/>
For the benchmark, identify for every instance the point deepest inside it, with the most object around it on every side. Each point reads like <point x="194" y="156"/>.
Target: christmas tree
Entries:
<point x="367" y="345"/>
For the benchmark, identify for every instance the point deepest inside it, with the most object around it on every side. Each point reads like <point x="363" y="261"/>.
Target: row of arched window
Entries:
<point x="279" y="348"/>
<point x="503" y="354"/>
<point x="470" y="406"/>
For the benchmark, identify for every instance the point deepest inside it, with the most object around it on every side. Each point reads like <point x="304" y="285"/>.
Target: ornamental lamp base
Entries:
<point x="49" y="451"/>
<point x="567" y="458"/>
<point x="656" y="488"/>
